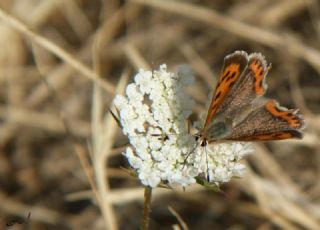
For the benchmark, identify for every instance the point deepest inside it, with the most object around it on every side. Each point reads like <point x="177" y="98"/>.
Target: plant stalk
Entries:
<point x="146" y="208"/>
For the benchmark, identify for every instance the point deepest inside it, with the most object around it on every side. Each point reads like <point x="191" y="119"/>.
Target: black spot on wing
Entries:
<point x="225" y="75"/>
<point x="218" y="95"/>
<point x="232" y="83"/>
<point x="233" y="75"/>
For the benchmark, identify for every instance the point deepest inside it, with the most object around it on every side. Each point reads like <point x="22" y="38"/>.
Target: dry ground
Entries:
<point x="64" y="61"/>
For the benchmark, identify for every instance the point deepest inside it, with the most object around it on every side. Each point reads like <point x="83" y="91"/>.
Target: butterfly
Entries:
<point x="239" y="112"/>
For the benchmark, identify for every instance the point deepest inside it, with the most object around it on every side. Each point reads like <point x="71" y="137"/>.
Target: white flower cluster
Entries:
<point x="153" y="115"/>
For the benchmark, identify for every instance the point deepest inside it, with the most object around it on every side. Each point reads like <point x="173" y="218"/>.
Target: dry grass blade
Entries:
<point x="135" y="57"/>
<point x="213" y="18"/>
<point x="45" y="43"/>
<point x="41" y="214"/>
<point x="258" y="35"/>
<point x="180" y="220"/>
<point x="43" y="121"/>
<point x="277" y="205"/>
<point x="103" y="136"/>
<point x="282" y="10"/>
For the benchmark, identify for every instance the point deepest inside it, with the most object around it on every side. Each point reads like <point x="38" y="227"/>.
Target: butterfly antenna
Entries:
<point x="208" y="179"/>
<point x="195" y="146"/>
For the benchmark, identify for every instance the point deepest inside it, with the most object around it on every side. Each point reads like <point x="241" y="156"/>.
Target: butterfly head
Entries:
<point x="214" y="132"/>
<point x="201" y="139"/>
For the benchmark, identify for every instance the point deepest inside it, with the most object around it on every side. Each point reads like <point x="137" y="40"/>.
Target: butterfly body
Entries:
<point x="239" y="112"/>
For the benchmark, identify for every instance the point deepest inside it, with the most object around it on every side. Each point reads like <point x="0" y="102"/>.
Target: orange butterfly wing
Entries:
<point x="269" y="122"/>
<point x="233" y="67"/>
<point x="280" y="135"/>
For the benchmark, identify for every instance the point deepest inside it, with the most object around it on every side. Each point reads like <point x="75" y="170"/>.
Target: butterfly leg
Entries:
<point x="188" y="125"/>
<point x="186" y="158"/>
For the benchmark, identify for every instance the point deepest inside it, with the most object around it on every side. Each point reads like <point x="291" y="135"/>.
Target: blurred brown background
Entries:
<point x="64" y="61"/>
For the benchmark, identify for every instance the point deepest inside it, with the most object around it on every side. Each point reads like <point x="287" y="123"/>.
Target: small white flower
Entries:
<point x="128" y="113"/>
<point x="134" y="161"/>
<point x="239" y="170"/>
<point x="133" y="94"/>
<point x="143" y="79"/>
<point x="120" y="101"/>
<point x="155" y="143"/>
<point x="153" y="115"/>
<point x="220" y="174"/>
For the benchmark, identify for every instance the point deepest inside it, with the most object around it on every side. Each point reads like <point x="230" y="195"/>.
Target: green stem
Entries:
<point x="146" y="208"/>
